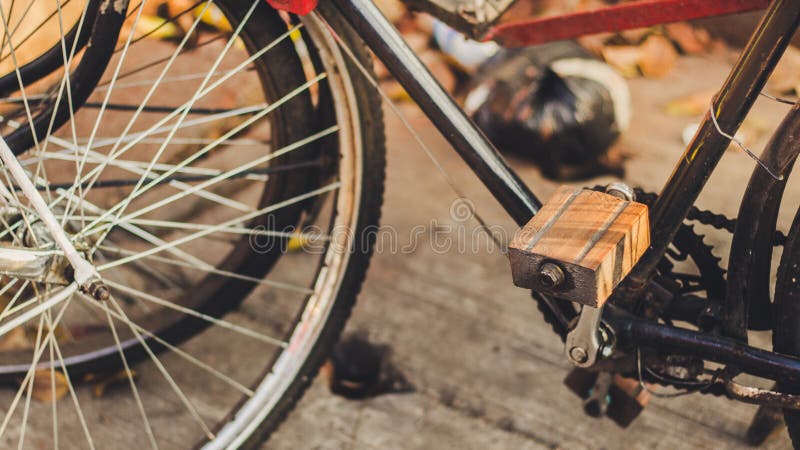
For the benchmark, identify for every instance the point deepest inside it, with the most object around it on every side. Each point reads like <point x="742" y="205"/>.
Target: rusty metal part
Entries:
<point x="518" y="30"/>
<point x="471" y="17"/>
<point x="551" y="275"/>
<point x="97" y="289"/>
<point x="625" y="399"/>
<point x="757" y="396"/>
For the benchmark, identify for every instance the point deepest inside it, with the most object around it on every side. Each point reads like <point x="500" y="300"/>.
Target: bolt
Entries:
<point x="578" y="355"/>
<point x="97" y="289"/>
<point x="551" y="276"/>
<point x="621" y="191"/>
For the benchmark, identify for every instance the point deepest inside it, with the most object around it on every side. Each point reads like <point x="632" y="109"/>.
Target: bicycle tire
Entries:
<point x="374" y="174"/>
<point x="363" y="107"/>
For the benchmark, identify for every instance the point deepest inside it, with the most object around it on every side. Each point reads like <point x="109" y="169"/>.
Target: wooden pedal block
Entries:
<point x="593" y="238"/>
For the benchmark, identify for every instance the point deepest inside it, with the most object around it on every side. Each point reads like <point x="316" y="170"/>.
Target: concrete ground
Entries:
<point x="487" y="371"/>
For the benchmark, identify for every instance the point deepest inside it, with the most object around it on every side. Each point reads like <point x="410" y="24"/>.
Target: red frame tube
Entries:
<point x="532" y="31"/>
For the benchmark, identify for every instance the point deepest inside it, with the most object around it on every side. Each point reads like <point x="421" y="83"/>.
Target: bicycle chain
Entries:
<point x="706" y="217"/>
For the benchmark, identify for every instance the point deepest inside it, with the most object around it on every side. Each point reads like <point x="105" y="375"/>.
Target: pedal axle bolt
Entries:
<point x="578" y="355"/>
<point x="551" y="275"/>
<point x="98" y="290"/>
<point x="621" y="191"/>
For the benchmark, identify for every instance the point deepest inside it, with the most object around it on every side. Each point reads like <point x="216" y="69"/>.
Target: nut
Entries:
<point x="97" y="289"/>
<point x="578" y="355"/>
<point x="621" y="191"/>
<point x="551" y="275"/>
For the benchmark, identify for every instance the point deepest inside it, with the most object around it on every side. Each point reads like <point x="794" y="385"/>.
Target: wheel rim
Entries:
<point x="267" y="394"/>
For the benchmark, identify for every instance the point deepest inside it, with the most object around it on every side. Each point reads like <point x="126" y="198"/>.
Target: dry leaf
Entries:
<point x="212" y="16"/>
<point x="691" y="105"/>
<point x="623" y="58"/>
<point x="658" y="56"/>
<point x="16" y="339"/>
<point x="102" y="383"/>
<point x="394" y="91"/>
<point x="157" y="28"/>
<point x="439" y="68"/>
<point x="636" y="35"/>
<point x="595" y="43"/>
<point x="690" y="40"/>
<point x="44" y="380"/>
<point x="394" y="10"/>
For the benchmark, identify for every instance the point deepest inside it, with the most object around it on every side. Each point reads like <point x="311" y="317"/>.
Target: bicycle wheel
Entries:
<point x="220" y="177"/>
<point x="786" y="314"/>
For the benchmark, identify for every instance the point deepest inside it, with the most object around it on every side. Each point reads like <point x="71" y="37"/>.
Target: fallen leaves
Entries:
<point x="102" y="383"/>
<point x="16" y="339"/>
<point x="654" y="58"/>
<point x="693" y="104"/>
<point x="690" y="40"/>
<point x="49" y="385"/>
<point x="623" y="58"/>
<point x="657" y="56"/>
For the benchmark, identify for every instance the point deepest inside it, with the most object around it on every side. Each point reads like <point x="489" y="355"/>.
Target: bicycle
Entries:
<point x="153" y="229"/>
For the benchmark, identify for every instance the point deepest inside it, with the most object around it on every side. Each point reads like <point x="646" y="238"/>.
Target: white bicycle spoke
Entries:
<point x="239" y="230"/>
<point x="147" y="237"/>
<point x="221" y="177"/>
<point x="219" y="322"/>
<point x="98" y="119"/>
<point x="215" y="271"/>
<point x="26" y="408"/>
<point x="31" y="370"/>
<point x="171" y="381"/>
<point x="188" y="357"/>
<point x="134" y="390"/>
<point x="72" y="393"/>
<point x="61" y="296"/>
<point x="190" y="103"/>
<point x="213" y="229"/>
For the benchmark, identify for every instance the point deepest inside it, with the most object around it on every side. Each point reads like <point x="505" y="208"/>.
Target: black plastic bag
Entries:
<point x="555" y="104"/>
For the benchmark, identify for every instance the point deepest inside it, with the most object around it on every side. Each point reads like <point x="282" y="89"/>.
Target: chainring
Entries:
<point x="688" y="245"/>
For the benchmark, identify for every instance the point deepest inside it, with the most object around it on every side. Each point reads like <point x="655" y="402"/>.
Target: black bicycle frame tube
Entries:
<point x="635" y="333"/>
<point x="482" y="157"/>
<point x="731" y="105"/>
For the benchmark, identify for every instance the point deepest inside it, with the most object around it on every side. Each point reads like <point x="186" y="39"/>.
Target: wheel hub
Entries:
<point x="38" y="258"/>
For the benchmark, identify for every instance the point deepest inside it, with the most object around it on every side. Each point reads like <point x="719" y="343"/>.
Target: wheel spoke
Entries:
<point x="129" y="374"/>
<point x="171" y="381"/>
<point x="188" y="357"/>
<point x="31" y="370"/>
<point x="62" y="295"/>
<point x="213" y="229"/>
<point x="213" y="320"/>
<point x="215" y="271"/>
<point x="221" y="177"/>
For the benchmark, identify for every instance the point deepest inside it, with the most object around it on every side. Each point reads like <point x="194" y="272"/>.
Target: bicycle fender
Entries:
<point x="299" y="7"/>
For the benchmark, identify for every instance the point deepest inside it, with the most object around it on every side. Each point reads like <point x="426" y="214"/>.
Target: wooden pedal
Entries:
<point x="580" y="245"/>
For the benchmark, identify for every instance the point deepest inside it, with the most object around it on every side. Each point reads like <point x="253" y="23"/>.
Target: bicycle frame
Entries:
<point x="730" y="106"/>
